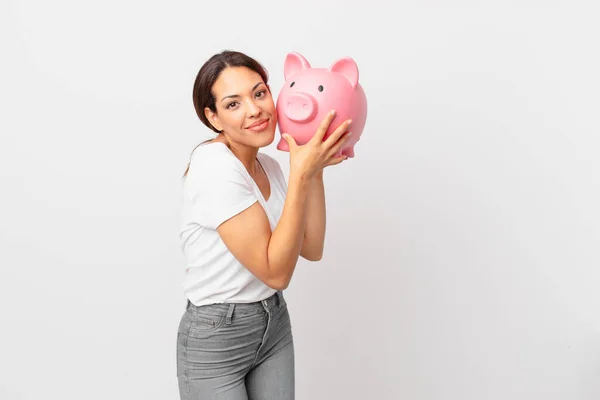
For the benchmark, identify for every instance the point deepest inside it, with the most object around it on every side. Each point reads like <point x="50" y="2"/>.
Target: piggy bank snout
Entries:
<point x="300" y="107"/>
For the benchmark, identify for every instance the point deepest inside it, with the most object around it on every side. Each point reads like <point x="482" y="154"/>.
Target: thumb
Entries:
<point x="290" y="140"/>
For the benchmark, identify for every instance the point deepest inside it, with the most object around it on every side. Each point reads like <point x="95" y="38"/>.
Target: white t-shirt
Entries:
<point x="216" y="188"/>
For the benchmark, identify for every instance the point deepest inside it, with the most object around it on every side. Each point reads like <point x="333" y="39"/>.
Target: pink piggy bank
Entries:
<point x="310" y="93"/>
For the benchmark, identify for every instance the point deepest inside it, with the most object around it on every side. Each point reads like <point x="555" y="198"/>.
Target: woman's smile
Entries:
<point x="260" y="125"/>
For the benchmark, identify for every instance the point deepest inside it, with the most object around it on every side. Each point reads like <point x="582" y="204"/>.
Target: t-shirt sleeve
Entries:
<point x="218" y="189"/>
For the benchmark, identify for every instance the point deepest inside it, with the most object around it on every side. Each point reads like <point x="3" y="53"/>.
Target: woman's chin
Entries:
<point x="267" y="140"/>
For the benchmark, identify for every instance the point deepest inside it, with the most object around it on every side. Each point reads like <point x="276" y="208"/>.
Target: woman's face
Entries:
<point x="245" y="109"/>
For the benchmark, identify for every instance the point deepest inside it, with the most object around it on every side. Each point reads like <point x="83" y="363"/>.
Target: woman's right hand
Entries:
<point x="310" y="159"/>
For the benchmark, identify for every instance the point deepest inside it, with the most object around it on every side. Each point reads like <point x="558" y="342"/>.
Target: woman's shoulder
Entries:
<point x="214" y="162"/>
<point x="213" y="154"/>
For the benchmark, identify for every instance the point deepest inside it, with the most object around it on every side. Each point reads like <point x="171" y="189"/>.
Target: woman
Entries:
<point x="243" y="231"/>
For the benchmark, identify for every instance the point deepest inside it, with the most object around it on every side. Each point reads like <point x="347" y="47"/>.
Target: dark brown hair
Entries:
<point x="202" y="94"/>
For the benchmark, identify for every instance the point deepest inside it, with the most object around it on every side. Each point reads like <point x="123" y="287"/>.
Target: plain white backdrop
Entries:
<point x="463" y="243"/>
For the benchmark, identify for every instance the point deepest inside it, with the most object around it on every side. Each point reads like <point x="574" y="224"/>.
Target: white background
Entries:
<point x="462" y="254"/>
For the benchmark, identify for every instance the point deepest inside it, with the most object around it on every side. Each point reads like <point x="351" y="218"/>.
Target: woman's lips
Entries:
<point x="260" y="127"/>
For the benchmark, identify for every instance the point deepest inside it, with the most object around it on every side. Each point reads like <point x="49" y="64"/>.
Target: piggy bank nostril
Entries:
<point x="304" y="105"/>
<point x="289" y="103"/>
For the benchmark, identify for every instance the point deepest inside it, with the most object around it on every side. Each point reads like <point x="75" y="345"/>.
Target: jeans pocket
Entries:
<point x="202" y="323"/>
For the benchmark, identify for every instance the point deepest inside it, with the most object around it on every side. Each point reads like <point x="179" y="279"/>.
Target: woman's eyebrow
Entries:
<point x="237" y="95"/>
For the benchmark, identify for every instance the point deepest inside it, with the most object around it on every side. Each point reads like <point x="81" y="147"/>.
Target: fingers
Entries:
<point x="290" y="140"/>
<point x="335" y="135"/>
<point x="338" y="145"/>
<point x="336" y="160"/>
<point x="322" y="129"/>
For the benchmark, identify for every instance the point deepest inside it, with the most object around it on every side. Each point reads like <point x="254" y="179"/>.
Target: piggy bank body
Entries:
<point x="310" y="93"/>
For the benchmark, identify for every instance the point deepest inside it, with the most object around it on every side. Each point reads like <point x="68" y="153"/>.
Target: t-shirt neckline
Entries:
<point x="249" y="176"/>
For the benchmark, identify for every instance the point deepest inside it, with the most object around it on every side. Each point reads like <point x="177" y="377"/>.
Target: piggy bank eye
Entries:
<point x="320" y="88"/>
<point x="292" y="84"/>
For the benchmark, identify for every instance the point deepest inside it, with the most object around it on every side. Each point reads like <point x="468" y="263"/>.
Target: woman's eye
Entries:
<point x="262" y="93"/>
<point x="231" y="104"/>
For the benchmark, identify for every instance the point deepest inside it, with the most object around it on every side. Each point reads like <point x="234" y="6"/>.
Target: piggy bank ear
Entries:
<point x="347" y="67"/>
<point x="294" y="62"/>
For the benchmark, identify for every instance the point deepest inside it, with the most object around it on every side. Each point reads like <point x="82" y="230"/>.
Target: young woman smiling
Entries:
<point x="243" y="230"/>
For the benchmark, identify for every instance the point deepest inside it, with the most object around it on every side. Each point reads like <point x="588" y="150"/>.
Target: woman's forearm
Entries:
<point x="314" y="233"/>
<point x="287" y="238"/>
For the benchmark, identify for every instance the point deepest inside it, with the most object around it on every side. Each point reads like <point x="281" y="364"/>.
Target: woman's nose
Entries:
<point x="253" y="109"/>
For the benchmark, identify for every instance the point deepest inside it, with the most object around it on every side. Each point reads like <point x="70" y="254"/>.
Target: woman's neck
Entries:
<point x="246" y="154"/>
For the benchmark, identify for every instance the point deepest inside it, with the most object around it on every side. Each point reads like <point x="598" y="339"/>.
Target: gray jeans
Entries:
<point x="236" y="351"/>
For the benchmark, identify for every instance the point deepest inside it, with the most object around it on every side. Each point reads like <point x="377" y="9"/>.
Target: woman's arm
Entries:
<point x="314" y="233"/>
<point x="270" y="256"/>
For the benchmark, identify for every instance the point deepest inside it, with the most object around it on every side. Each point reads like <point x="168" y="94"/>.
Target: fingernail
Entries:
<point x="349" y="134"/>
<point x="333" y="113"/>
<point x="349" y="122"/>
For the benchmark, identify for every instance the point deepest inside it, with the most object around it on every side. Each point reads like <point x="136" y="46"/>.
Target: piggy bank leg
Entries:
<point x="349" y="151"/>
<point x="283" y="145"/>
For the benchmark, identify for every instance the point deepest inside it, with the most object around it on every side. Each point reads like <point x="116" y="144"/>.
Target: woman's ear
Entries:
<point x="213" y="118"/>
